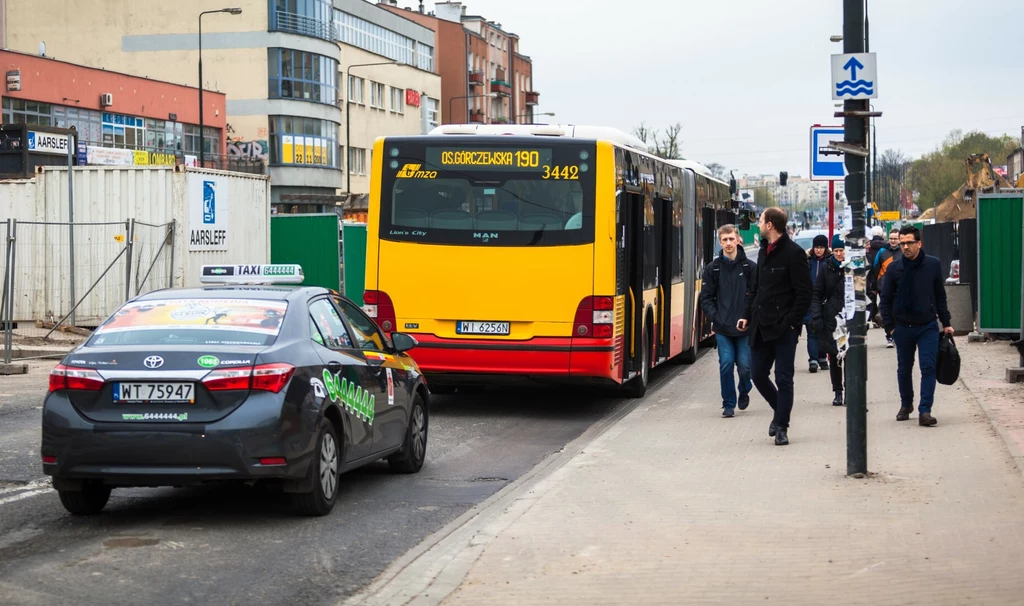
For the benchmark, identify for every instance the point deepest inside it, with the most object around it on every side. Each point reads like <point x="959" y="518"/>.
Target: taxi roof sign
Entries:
<point x="275" y="273"/>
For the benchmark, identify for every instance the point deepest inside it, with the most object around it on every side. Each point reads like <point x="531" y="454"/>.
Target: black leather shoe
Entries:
<point x="839" y="399"/>
<point x="772" y="429"/>
<point x="812" y="366"/>
<point x="781" y="439"/>
<point x="925" y="419"/>
<point x="744" y="402"/>
<point x="904" y="414"/>
<point x="823" y="364"/>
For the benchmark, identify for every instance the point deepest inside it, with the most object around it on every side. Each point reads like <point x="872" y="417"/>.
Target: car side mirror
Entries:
<point x="402" y="342"/>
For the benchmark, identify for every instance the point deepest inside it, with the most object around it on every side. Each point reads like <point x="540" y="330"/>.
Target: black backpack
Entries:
<point x="947" y="367"/>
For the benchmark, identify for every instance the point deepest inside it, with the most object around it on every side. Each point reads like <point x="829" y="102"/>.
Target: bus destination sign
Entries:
<point x="496" y="159"/>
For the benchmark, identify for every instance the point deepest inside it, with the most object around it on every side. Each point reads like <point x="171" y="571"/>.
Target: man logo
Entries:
<point x="485" y="236"/>
<point x="412" y="171"/>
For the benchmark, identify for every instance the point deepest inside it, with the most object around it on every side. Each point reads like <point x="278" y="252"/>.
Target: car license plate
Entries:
<point x="482" y="328"/>
<point x="154" y="392"/>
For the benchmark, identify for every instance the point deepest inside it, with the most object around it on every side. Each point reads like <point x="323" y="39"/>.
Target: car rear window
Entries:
<point x="193" y="321"/>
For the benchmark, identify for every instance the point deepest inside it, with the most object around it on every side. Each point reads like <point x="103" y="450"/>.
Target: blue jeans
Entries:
<point x="733" y="351"/>
<point x="925" y="339"/>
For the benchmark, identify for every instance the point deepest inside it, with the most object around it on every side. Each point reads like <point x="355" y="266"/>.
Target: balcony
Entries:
<point x="293" y="23"/>
<point x="476" y="78"/>
<point x="501" y="87"/>
<point x="532" y="98"/>
<point x="476" y="116"/>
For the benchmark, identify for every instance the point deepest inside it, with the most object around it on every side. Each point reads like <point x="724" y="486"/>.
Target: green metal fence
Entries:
<point x="999" y="262"/>
<point x="311" y="240"/>
<point x="354" y="247"/>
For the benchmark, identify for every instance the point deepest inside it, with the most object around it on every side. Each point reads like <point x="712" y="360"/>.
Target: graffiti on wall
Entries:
<point x="254" y="149"/>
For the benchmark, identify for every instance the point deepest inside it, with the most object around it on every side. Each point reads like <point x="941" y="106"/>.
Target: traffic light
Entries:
<point x="783" y="177"/>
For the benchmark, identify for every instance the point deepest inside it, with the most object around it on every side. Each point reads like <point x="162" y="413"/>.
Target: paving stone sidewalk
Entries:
<point x="676" y="505"/>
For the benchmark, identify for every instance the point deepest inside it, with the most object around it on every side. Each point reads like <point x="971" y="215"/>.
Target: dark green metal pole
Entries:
<point x="856" y="355"/>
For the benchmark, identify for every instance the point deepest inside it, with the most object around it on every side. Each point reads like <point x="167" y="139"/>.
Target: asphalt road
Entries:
<point x="243" y="545"/>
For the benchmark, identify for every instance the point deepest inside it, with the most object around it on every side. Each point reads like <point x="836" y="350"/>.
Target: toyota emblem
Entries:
<point x="153" y="362"/>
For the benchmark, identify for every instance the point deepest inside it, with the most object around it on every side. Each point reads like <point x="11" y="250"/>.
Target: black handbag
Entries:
<point x="947" y="367"/>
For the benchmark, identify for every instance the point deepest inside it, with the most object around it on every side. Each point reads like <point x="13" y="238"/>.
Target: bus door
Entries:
<point x="633" y="242"/>
<point x="668" y="234"/>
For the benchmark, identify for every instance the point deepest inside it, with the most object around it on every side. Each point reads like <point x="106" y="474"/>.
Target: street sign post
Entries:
<point x="827" y="165"/>
<point x="854" y="77"/>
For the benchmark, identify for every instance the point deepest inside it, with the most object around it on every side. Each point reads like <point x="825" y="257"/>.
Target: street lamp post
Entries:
<point x="486" y="95"/>
<point x="550" y="114"/>
<point x="230" y="11"/>
<point x="348" y="121"/>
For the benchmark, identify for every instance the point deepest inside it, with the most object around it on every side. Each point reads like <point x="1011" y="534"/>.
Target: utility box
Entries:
<point x="999" y="262"/>
<point x="312" y="241"/>
<point x="354" y="255"/>
<point x="23" y="147"/>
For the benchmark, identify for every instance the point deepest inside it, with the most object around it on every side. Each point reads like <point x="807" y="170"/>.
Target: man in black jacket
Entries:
<point x="782" y="299"/>
<point x="913" y="295"/>
<point x="725" y="297"/>
<point x="828" y="302"/>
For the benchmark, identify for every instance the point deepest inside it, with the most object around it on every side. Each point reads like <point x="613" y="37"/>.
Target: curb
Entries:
<point x="423" y="577"/>
<point x="1011" y="445"/>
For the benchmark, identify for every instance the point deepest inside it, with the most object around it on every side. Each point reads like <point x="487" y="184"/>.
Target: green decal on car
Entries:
<point x="208" y="361"/>
<point x="156" y="416"/>
<point x="350" y="395"/>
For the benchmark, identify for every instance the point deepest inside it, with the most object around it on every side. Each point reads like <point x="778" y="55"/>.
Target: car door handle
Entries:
<point x="334" y="365"/>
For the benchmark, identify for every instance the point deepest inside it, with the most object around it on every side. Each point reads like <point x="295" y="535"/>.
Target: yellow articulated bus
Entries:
<point x="539" y="253"/>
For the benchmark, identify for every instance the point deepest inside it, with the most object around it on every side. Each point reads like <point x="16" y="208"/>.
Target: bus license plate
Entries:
<point x="154" y="392"/>
<point x="482" y="328"/>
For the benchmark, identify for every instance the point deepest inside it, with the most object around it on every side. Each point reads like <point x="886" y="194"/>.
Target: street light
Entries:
<point x="551" y="114"/>
<point x="348" y="121"/>
<point x="486" y="95"/>
<point x="230" y="11"/>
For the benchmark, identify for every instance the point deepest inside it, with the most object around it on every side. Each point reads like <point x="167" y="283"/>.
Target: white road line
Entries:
<point x="40" y="483"/>
<point x="25" y="495"/>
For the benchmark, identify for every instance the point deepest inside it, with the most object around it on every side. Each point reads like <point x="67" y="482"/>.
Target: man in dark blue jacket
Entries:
<point x="913" y="295"/>
<point x="725" y="297"/>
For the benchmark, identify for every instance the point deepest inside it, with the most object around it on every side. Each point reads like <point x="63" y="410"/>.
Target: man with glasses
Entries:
<point x="878" y="269"/>
<point x="913" y="295"/>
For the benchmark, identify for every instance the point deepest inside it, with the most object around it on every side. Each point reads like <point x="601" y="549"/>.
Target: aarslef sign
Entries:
<point x="48" y="143"/>
<point x="208" y="225"/>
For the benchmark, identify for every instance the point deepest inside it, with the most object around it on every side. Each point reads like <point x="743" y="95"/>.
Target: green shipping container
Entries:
<point x="353" y="242"/>
<point x="311" y="240"/>
<point x="999" y="262"/>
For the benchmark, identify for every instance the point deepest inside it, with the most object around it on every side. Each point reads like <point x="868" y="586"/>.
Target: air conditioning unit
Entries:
<point x="106" y="99"/>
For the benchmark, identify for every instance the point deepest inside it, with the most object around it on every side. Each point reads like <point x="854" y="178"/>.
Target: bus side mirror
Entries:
<point x="732" y="187"/>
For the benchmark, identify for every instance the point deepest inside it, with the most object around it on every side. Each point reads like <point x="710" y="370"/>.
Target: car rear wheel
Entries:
<point x="90" y="500"/>
<point x="326" y="471"/>
<point x="414" y="448"/>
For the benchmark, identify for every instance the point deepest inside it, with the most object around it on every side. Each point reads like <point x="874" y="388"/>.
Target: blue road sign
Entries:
<point x="826" y="164"/>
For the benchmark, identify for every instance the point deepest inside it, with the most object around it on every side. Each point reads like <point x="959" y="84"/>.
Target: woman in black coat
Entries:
<point x="828" y="301"/>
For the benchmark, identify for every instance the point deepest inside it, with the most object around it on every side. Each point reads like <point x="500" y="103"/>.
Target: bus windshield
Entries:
<point x="510" y="196"/>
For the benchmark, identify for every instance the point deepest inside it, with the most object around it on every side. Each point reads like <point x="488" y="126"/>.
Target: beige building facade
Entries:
<point x="281" y="63"/>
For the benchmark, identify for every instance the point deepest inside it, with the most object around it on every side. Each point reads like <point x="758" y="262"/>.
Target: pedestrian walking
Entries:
<point x="828" y="302"/>
<point x="816" y="257"/>
<point x="883" y="259"/>
<point x="726" y="296"/>
<point x="782" y="298"/>
<point x="875" y="246"/>
<point x="913" y="296"/>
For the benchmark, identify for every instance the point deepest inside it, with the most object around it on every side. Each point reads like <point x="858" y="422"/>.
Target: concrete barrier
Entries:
<point x="958" y="299"/>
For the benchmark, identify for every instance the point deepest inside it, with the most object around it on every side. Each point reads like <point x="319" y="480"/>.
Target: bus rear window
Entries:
<point x="488" y="205"/>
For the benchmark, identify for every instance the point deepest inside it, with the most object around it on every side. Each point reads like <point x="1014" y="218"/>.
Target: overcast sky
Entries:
<point x="747" y="78"/>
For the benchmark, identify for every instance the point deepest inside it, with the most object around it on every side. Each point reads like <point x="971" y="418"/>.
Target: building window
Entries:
<point x="123" y="131"/>
<point x="382" y="41"/>
<point x="211" y="139"/>
<point x="303" y="141"/>
<point x="433" y="112"/>
<point x="355" y="90"/>
<point x="356" y="161"/>
<point x="87" y="123"/>
<point x="376" y="95"/>
<point x="397" y="100"/>
<point x="301" y="75"/>
<point x="19" y="111"/>
<point x="305" y="17"/>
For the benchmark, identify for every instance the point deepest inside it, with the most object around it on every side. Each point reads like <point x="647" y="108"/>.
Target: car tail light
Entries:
<point x="595" y="317"/>
<point x="271" y="377"/>
<point x="265" y="377"/>
<point x="72" y="377"/>
<point x="49" y="460"/>
<point x="273" y="461"/>
<point x="378" y="305"/>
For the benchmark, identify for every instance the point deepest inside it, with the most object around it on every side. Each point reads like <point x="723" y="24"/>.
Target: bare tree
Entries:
<point x="719" y="171"/>
<point x="668" y="147"/>
<point x="643" y="133"/>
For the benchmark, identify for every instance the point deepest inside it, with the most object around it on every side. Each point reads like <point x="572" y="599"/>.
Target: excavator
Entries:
<point x="981" y="178"/>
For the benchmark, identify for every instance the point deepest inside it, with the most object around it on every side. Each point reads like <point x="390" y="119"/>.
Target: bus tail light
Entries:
<point x="377" y="304"/>
<point x="595" y="317"/>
